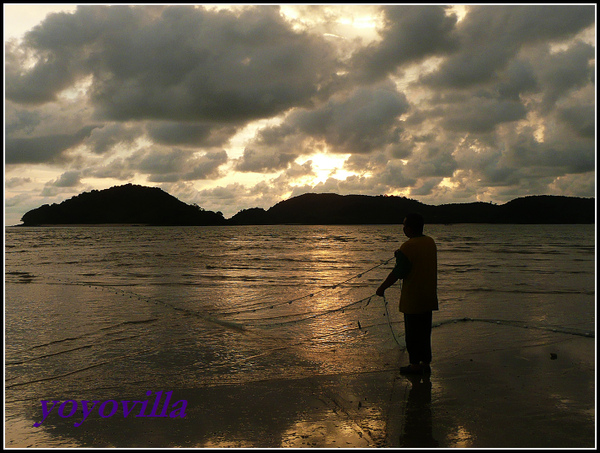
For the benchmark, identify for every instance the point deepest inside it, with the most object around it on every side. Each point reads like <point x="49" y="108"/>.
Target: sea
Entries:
<point x="120" y="310"/>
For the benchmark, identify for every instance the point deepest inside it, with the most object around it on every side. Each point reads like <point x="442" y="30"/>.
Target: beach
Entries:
<point x="251" y="329"/>
<point x="499" y="392"/>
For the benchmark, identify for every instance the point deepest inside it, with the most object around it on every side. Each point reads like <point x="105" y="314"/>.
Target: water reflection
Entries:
<point x="418" y="426"/>
<point x="334" y="411"/>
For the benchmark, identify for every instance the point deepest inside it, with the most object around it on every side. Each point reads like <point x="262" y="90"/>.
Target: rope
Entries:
<point x="323" y="313"/>
<point x="260" y="322"/>
<point x="258" y="307"/>
<point x="387" y="313"/>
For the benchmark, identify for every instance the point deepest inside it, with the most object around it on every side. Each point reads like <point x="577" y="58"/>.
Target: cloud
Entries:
<point x="174" y="63"/>
<point x="551" y="156"/>
<point x="364" y="121"/>
<point x="361" y="122"/>
<point x="170" y="165"/>
<point x="490" y="36"/>
<point x="105" y="138"/>
<point x="44" y="148"/>
<point x="563" y="71"/>
<point x="264" y="160"/>
<point x="580" y="118"/>
<point x="480" y="114"/>
<point x="16" y="182"/>
<point x="410" y="34"/>
<point x="20" y="121"/>
<point x="238" y="104"/>
<point x="68" y="179"/>
<point x="197" y="134"/>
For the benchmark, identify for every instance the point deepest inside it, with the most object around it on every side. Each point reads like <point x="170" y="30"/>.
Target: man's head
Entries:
<point x="413" y="225"/>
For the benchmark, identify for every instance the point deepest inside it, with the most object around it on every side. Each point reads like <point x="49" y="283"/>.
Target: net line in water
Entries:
<point x="265" y="324"/>
<point x="267" y="306"/>
<point x="294" y="318"/>
<point x="240" y="325"/>
<point x="252" y="322"/>
<point x="247" y="324"/>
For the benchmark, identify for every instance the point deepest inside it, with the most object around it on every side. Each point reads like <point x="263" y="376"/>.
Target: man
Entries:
<point x="416" y="265"/>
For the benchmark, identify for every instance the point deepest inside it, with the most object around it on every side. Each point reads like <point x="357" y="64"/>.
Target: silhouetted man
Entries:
<point x="416" y="265"/>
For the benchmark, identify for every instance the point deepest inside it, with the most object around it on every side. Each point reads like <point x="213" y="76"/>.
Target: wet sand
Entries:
<point x="508" y="388"/>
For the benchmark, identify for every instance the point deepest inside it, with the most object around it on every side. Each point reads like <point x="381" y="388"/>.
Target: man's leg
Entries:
<point x="411" y="336"/>
<point x="417" y="329"/>
<point x="424" y="341"/>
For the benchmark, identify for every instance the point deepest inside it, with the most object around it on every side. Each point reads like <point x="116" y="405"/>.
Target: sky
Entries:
<point x="232" y="107"/>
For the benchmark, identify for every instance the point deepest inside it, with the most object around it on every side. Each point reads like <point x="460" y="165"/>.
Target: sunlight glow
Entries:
<point x="78" y="90"/>
<point x="359" y="22"/>
<point x="326" y="166"/>
<point x="399" y="193"/>
<point x="447" y="182"/>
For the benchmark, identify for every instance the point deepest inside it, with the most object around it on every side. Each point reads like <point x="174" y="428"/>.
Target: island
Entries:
<point x="140" y="205"/>
<point x="127" y="204"/>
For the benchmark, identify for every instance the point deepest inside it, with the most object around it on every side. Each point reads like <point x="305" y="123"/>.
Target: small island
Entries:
<point x="139" y="205"/>
<point x="127" y="204"/>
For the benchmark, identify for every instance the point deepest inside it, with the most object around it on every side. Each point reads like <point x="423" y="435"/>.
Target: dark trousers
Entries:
<point x="417" y="333"/>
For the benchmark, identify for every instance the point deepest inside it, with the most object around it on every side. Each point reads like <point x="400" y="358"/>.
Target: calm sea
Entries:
<point x="126" y="309"/>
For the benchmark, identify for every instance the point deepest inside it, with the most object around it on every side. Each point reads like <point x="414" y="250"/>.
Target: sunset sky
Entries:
<point x="234" y="107"/>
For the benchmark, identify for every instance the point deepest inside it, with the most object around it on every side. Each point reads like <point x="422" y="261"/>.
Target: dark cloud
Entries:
<point x="433" y="160"/>
<point x="106" y="138"/>
<point x="550" y="157"/>
<point x="362" y="122"/>
<point x="297" y="171"/>
<point x="411" y="34"/>
<point x="481" y="115"/>
<point x="395" y="176"/>
<point x="201" y="134"/>
<point x="496" y="105"/>
<point x="580" y="118"/>
<point x="264" y="160"/>
<point x="370" y="163"/>
<point x="20" y="121"/>
<point x="51" y="74"/>
<point x="16" y="182"/>
<point x="43" y="148"/>
<point x="118" y="168"/>
<point x="70" y="178"/>
<point x="490" y="36"/>
<point x="365" y="121"/>
<point x="562" y="71"/>
<point x="518" y="78"/>
<point x="170" y="165"/>
<point x="175" y="63"/>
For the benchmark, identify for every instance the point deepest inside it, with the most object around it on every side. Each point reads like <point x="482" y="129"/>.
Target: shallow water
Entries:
<point x="121" y="310"/>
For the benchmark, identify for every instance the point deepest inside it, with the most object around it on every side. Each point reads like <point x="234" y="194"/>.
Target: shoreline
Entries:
<point x="92" y="225"/>
<point x="510" y="388"/>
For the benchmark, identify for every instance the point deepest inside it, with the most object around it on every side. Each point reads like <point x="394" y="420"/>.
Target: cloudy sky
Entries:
<point x="244" y="106"/>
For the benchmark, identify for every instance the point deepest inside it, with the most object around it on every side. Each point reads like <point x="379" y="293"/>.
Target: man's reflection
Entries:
<point x="417" y="416"/>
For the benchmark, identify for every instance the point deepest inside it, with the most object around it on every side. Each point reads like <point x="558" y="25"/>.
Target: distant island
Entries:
<point x="139" y="205"/>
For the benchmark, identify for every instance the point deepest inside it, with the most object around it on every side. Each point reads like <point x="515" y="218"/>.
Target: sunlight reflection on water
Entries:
<point x="122" y="310"/>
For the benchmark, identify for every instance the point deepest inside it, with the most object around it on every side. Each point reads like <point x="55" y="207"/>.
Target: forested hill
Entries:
<point x="326" y="209"/>
<point x="133" y="204"/>
<point x="128" y="204"/>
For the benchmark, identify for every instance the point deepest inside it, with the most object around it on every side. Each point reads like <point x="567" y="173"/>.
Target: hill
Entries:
<point x="128" y="204"/>
<point x="134" y="204"/>
<point x="328" y="209"/>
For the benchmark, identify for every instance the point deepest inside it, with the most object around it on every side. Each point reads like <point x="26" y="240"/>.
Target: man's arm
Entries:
<point x="401" y="270"/>
<point x="389" y="281"/>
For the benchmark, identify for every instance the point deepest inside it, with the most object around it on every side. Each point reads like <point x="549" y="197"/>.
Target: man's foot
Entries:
<point x="411" y="369"/>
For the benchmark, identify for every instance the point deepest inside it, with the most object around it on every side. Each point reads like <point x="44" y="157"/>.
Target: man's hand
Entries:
<point x="389" y="281"/>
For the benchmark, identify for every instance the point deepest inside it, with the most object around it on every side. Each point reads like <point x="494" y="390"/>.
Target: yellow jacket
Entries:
<point x="416" y="264"/>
